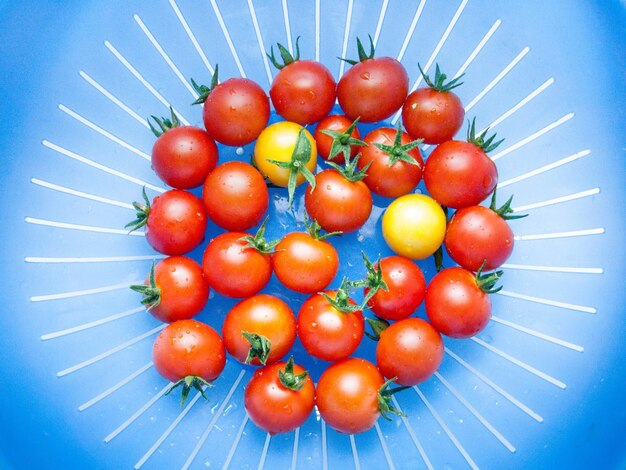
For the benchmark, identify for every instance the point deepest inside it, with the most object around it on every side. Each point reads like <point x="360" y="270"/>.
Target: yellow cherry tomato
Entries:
<point x="414" y="226"/>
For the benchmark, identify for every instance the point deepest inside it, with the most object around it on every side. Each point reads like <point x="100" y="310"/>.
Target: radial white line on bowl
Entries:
<point x="536" y="372"/>
<point x="346" y="35"/>
<point x="537" y="417"/>
<point x="93" y="259"/>
<point x="110" y="352"/>
<point x="503" y="440"/>
<point x="83" y="292"/>
<point x="259" y="38"/>
<point x="294" y="454"/>
<point x="324" y="447"/>
<point x="143" y="81"/>
<point x="433" y="56"/>
<point x="80" y="194"/>
<point x="82" y="228"/>
<point x="211" y="425"/>
<point x="86" y="326"/>
<point x="169" y="430"/>
<point x="191" y="36"/>
<point x="573" y="233"/>
<point x="355" y="453"/>
<point x="553" y="303"/>
<point x="101" y="131"/>
<point x="478" y="48"/>
<point x="233" y="448"/>
<point x="113" y="99"/>
<point x="115" y="387"/>
<point x="137" y="414"/>
<point x="412" y="435"/>
<point x="445" y="428"/>
<point x="266" y="446"/>
<point x="383" y="443"/>
<point x="532" y="137"/>
<point x="537" y="334"/>
<point x="412" y="26"/>
<point x="317" y="29"/>
<point x="553" y="269"/>
<point x="101" y="167"/>
<point x="165" y="56"/>
<point x="287" y="26"/>
<point x="381" y="18"/>
<point x="229" y="41"/>
<point x="557" y="200"/>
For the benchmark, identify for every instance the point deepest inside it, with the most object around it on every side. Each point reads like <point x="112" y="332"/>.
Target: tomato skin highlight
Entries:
<point x="406" y="289"/>
<point x="189" y="348"/>
<point x="236" y="111"/>
<point x="459" y="174"/>
<point x="274" y="407"/>
<point x="235" y="196"/>
<point x="304" y="264"/>
<point x="303" y="92"/>
<point x="264" y="315"/>
<point x="338" y="123"/>
<point x="435" y="116"/>
<point x="233" y="269"/>
<point x="411" y="350"/>
<point x="346" y="395"/>
<point x="476" y="234"/>
<point x="338" y="204"/>
<point x="455" y="305"/>
<point x="373" y="89"/>
<point x="176" y="222"/>
<point x="327" y="333"/>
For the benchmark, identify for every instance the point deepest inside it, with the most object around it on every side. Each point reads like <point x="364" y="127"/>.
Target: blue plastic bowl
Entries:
<point x="541" y="387"/>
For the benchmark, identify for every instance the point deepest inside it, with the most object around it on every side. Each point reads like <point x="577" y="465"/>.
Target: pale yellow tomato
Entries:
<point x="414" y="226"/>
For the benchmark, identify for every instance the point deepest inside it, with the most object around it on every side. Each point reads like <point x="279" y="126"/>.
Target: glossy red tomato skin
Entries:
<point x="274" y="407"/>
<point x="264" y="315"/>
<point x="476" y="234"/>
<point x="176" y="222"/>
<point x="338" y="204"/>
<point x="184" y="290"/>
<point x="347" y="395"/>
<point x="236" y="112"/>
<point x="411" y="350"/>
<point x="235" y="196"/>
<point x="303" y="92"/>
<point x="406" y="289"/>
<point x="189" y="347"/>
<point x="338" y="123"/>
<point x="389" y="181"/>
<point x="327" y="333"/>
<point x="455" y="305"/>
<point x="459" y="174"/>
<point x="435" y="116"/>
<point x="183" y="157"/>
<point x="305" y="264"/>
<point x="373" y="89"/>
<point x="233" y="269"/>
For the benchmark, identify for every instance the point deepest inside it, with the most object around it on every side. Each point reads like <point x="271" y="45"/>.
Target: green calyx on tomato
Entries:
<point x="487" y="282"/>
<point x="384" y="399"/>
<point x="378" y="325"/>
<point x="481" y="141"/>
<point x="505" y="211"/>
<point x="373" y="279"/>
<point x="313" y="228"/>
<point x="342" y="141"/>
<point x="439" y="84"/>
<point x="203" y="90"/>
<point x="187" y="383"/>
<point x="151" y="293"/>
<point x="258" y="242"/>
<point x="297" y="165"/>
<point x="363" y="56"/>
<point x="341" y="302"/>
<point x="259" y="347"/>
<point x="165" y="124"/>
<point x="349" y="170"/>
<point x="398" y="152"/>
<point x="291" y="380"/>
<point x="141" y="213"/>
<point x="285" y="54"/>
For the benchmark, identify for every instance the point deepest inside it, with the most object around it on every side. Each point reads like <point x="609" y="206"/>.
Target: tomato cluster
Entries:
<point x="261" y="329"/>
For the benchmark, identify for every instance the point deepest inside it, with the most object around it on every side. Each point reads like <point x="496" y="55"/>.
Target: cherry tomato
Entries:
<point x="411" y="350"/>
<point x="414" y="226"/>
<point x="326" y="331"/>
<point x="176" y="289"/>
<point x="458" y="303"/>
<point x="340" y="124"/>
<point x="235" y="196"/>
<point x="395" y="169"/>
<point x="406" y="287"/>
<point x="279" y="397"/>
<point x="374" y="88"/>
<point x="259" y="330"/>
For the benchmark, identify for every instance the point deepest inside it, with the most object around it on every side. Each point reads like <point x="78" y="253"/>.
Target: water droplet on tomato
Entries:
<point x="365" y="75"/>
<point x="232" y="91"/>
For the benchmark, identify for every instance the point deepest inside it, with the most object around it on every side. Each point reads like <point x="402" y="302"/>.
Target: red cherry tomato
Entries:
<point x="235" y="196"/>
<point x="411" y="350"/>
<point x="335" y="123"/>
<point x="274" y="402"/>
